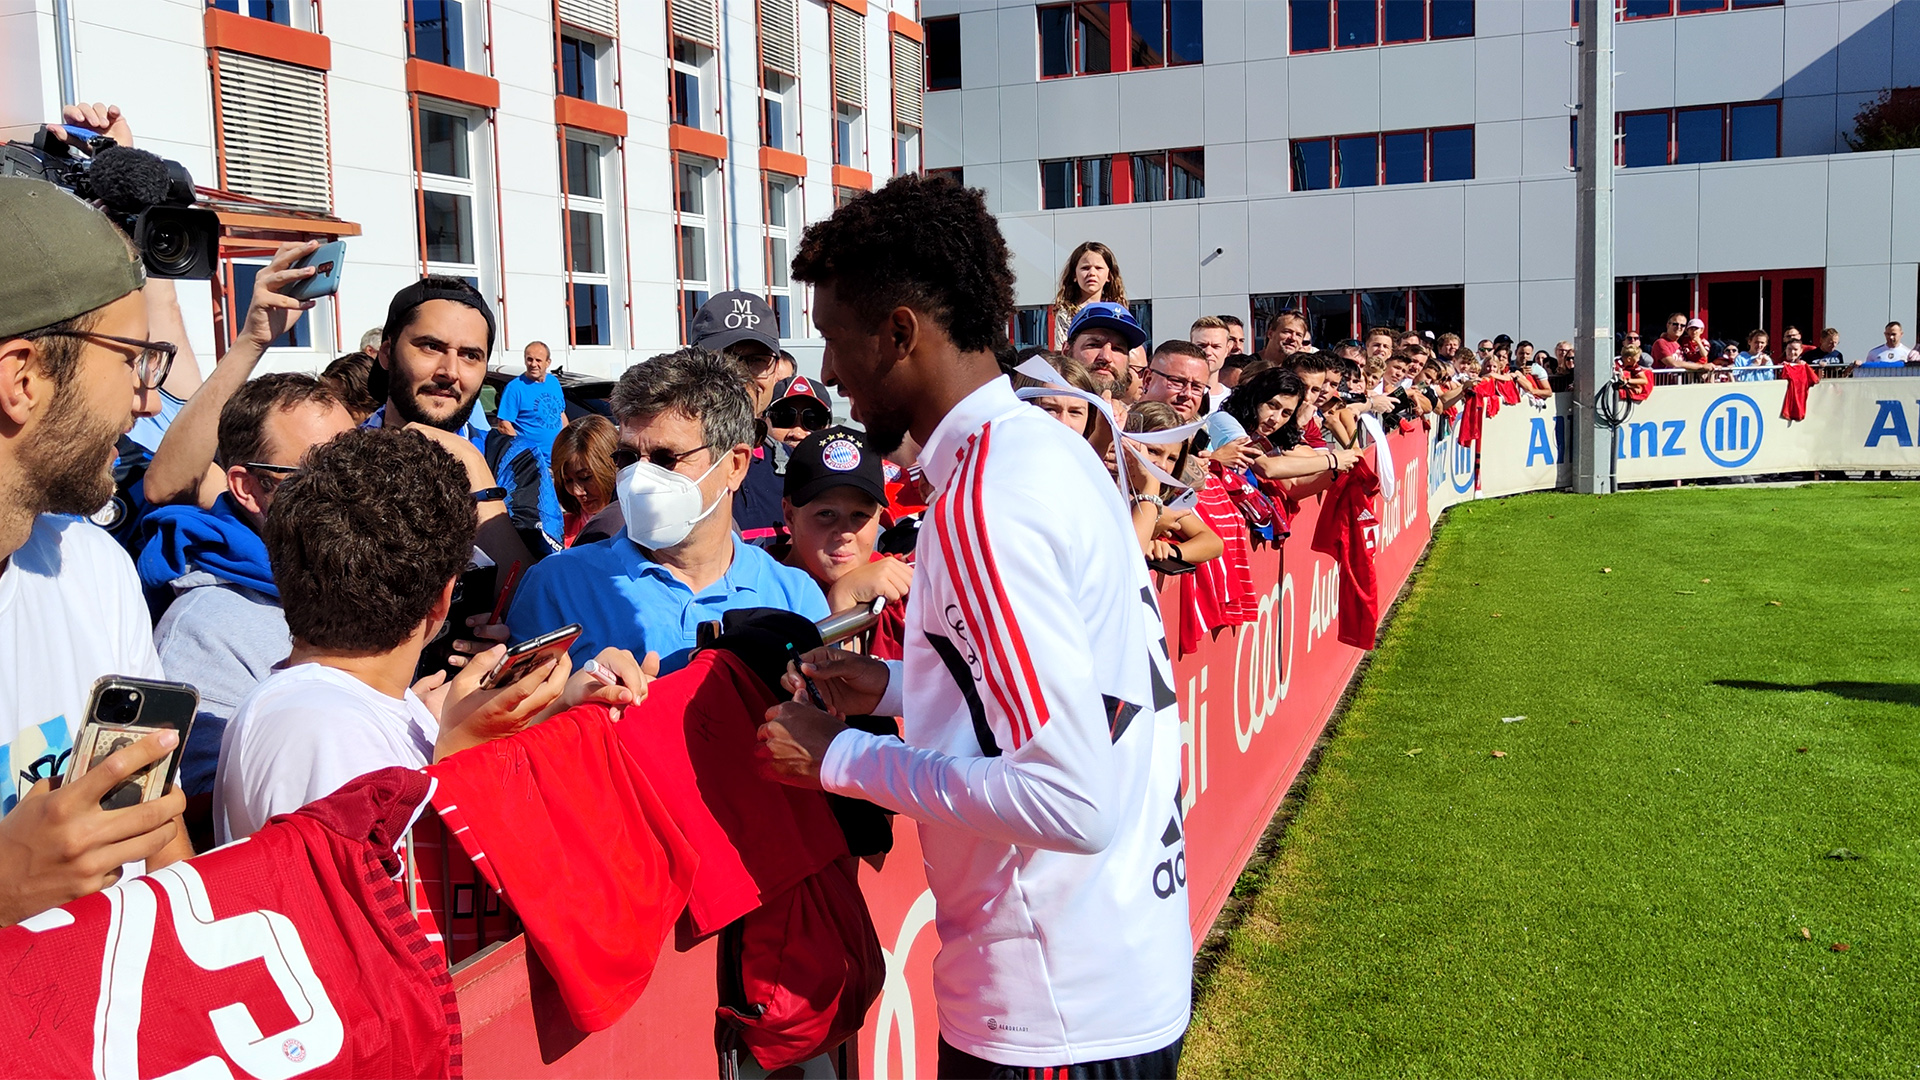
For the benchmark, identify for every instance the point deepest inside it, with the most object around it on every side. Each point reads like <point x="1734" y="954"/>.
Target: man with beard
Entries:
<point x="75" y="371"/>
<point x="1101" y="337"/>
<point x="433" y="362"/>
<point x="1042" y="735"/>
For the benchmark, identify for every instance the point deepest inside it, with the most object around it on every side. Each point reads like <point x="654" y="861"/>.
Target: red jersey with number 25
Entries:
<point x="287" y="954"/>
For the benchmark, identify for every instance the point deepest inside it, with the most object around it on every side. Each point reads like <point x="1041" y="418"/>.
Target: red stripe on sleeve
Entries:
<point x="1022" y="662"/>
<point x="950" y="551"/>
<point x="978" y="569"/>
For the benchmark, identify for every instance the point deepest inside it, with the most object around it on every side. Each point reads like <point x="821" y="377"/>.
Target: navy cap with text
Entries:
<point x="731" y="318"/>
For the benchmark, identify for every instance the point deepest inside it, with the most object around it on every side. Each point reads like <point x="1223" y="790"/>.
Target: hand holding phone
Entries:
<point x="122" y="711"/>
<point x="58" y="845"/>
<point x="274" y="308"/>
<point x="472" y="714"/>
<point x="327" y="261"/>
<point x="529" y="654"/>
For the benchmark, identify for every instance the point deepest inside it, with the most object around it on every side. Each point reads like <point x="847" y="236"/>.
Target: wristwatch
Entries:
<point x="495" y="493"/>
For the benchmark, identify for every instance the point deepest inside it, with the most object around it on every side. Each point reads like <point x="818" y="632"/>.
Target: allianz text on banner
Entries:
<point x="1450" y="477"/>
<point x="1717" y="429"/>
<point x="1524" y="448"/>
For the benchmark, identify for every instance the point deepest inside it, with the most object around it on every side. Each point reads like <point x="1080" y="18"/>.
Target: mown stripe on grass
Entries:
<point x="1622" y="893"/>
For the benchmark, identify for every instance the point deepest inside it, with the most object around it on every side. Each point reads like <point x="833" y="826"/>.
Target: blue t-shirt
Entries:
<point x="1745" y="360"/>
<point x="537" y="409"/>
<point x="624" y="600"/>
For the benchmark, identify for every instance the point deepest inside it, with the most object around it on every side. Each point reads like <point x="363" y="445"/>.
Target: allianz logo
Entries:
<point x="1729" y="434"/>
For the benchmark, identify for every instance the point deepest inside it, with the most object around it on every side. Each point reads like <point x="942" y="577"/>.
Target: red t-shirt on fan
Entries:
<point x="291" y="953"/>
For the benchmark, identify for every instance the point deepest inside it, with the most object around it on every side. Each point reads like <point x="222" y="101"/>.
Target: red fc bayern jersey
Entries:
<point x="287" y="954"/>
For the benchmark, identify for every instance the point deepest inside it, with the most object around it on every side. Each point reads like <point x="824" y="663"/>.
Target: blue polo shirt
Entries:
<point x="624" y="600"/>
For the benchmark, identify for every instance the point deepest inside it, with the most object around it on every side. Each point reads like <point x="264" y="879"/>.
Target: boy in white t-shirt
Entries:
<point x="367" y="543"/>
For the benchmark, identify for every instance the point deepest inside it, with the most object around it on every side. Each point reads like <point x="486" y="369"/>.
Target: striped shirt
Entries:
<point x="1041" y="752"/>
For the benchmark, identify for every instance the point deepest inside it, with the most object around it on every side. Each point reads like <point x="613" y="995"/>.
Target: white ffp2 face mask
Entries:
<point x="661" y="506"/>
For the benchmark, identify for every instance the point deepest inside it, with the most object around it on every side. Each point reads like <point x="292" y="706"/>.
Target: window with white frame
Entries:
<point x="583" y="59"/>
<point x="298" y="14"/>
<point x="779" y="111"/>
<point x="783" y="213"/>
<point x="779" y="74"/>
<point x="591" y="249"/>
<point x="846" y="36"/>
<point x="450" y="194"/>
<point x="906" y="150"/>
<point x="849" y="136"/>
<point x="439" y="33"/>
<point x="696" y="184"/>
<point x="690" y="77"/>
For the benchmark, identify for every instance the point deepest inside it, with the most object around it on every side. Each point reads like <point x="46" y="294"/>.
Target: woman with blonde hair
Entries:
<point x="1091" y="273"/>
<point x="583" y="472"/>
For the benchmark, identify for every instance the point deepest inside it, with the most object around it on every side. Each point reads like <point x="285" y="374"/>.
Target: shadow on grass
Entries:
<point x="1892" y="693"/>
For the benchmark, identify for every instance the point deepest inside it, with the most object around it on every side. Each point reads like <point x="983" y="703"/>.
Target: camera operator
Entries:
<point x="122" y="513"/>
<point x="76" y="369"/>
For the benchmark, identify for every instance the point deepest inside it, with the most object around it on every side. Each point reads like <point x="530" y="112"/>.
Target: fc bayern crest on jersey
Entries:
<point x="840" y="455"/>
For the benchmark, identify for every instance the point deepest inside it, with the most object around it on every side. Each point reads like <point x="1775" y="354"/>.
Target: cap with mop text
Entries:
<point x="64" y="258"/>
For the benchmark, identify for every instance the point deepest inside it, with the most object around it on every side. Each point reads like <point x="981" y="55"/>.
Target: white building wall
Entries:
<point x="1506" y="235"/>
<point x="150" y="57"/>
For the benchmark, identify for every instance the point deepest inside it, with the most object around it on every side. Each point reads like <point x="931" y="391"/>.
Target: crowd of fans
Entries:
<point x="336" y="562"/>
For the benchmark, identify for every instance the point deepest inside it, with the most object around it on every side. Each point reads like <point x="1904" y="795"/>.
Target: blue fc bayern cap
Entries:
<point x="1114" y="317"/>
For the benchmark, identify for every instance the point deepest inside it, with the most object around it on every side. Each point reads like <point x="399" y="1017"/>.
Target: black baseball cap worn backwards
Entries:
<point x="435" y="288"/>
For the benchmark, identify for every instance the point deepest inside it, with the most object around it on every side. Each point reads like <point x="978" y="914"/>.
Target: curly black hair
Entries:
<point x="364" y="538"/>
<point x="1245" y="401"/>
<point x="922" y="242"/>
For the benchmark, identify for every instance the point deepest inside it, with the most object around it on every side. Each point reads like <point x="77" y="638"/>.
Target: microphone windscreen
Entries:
<point x="128" y="180"/>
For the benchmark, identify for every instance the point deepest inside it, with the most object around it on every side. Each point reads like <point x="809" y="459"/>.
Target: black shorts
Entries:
<point x="1161" y="1064"/>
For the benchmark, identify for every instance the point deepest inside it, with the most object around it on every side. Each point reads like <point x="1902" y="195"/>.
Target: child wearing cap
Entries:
<point x="835" y="492"/>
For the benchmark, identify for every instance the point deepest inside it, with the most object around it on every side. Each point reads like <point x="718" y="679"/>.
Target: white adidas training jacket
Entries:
<point x="1042" y="750"/>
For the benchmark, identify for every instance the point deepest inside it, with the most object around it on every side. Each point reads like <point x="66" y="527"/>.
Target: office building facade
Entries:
<point x="1385" y="161"/>
<point x="597" y="168"/>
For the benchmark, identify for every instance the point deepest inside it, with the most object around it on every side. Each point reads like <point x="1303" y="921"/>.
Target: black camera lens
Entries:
<point x="166" y="243"/>
<point x="120" y="706"/>
<point x="178" y="242"/>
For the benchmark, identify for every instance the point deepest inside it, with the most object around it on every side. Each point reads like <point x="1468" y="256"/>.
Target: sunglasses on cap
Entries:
<point x="790" y="414"/>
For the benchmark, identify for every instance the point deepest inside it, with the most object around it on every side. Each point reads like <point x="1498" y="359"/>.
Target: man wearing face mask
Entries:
<point x="686" y="436"/>
<point x="742" y="328"/>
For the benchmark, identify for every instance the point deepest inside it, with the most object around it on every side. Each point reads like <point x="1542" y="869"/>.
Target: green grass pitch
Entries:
<point x="1720" y="747"/>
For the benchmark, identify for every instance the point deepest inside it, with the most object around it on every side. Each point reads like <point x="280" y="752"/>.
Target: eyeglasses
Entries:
<point x="1191" y="385"/>
<point x="757" y="364"/>
<point x="275" y="474"/>
<point x="660" y="457"/>
<point x="151" y="364"/>
<point x="792" y="414"/>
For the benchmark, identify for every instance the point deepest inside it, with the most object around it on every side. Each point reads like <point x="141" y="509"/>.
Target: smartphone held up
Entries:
<point x="122" y="711"/>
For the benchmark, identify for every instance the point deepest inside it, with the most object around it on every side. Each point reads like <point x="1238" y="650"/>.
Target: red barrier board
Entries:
<point x="1254" y="699"/>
